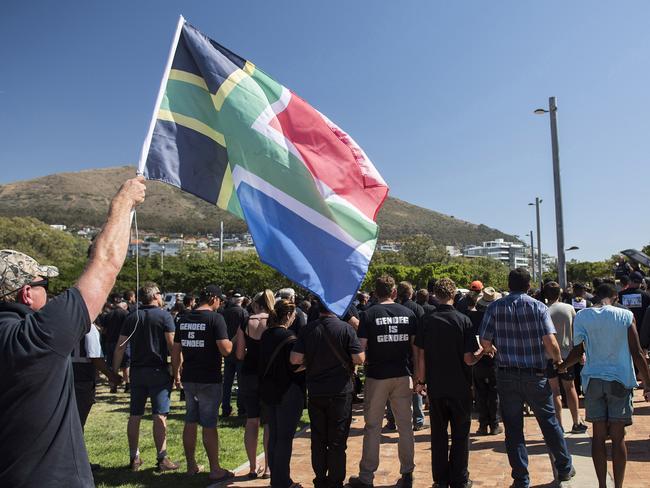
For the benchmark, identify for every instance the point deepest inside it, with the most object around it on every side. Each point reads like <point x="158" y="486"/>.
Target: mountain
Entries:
<point x="81" y="199"/>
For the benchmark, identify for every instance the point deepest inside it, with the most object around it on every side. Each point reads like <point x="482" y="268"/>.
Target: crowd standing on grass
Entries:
<point x="499" y="353"/>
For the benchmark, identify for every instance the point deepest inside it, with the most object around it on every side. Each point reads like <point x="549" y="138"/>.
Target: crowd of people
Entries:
<point x="501" y="353"/>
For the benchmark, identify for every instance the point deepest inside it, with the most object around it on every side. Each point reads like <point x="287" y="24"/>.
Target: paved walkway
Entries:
<point x="488" y="462"/>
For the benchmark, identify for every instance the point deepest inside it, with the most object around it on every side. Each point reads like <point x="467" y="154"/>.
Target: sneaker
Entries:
<point x="496" y="430"/>
<point x="406" y="481"/>
<point x="418" y="427"/>
<point x="127" y="387"/>
<point x="166" y="464"/>
<point x="390" y="426"/>
<point x="482" y="430"/>
<point x="579" y="428"/>
<point x="567" y="476"/>
<point x="135" y="464"/>
<point x="355" y="482"/>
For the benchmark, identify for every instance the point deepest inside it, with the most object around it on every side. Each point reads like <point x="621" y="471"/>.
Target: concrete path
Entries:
<point x="488" y="460"/>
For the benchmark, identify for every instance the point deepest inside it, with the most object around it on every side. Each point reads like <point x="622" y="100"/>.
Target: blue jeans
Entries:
<point x="515" y="388"/>
<point x="418" y="413"/>
<point x="231" y="367"/>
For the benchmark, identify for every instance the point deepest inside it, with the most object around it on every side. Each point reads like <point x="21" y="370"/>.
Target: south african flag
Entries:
<point x="230" y="134"/>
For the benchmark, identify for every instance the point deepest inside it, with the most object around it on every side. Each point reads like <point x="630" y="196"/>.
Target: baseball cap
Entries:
<point x="636" y="277"/>
<point x="18" y="269"/>
<point x="476" y="285"/>
<point x="210" y="291"/>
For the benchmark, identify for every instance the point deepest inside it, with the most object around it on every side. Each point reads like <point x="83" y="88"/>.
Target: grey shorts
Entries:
<point x="202" y="402"/>
<point x="608" y="401"/>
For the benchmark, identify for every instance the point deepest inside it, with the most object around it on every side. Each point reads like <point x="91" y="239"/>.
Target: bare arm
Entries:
<point x="354" y="322"/>
<point x="169" y="339"/>
<point x="471" y="358"/>
<point x="101" y="366"/>
<point x="109" y="249"/>
<point x="358" y="358"/>
<point x="119" y="352"/>
<point x="297" y="358"/>
<point x="420" y="371"/>
<point x="639" y="358"/>
<point x="177" y="362"/>
<point x="552" y="348"/>
<point x="240" y="352"/>
<point x="224" y="346"/>
<point x="574" y="356"/>
<point x="488" y="347"/>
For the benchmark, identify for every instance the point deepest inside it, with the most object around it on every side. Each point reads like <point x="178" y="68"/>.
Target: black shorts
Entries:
<point x="551" y="372"/>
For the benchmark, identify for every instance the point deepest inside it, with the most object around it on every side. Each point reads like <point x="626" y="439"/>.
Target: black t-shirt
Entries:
<point x="446" y="336"/>
<point x="148" y="343"/>
<point x="235" y="317"/>
<point x="41" y="441"/>
<point x="352" y="311"/>
<point x="112" y="324"/>
<point x="476" y="316"/>
<point x="389" y="329"/>
<point x="637" y="301"/>
<point x="326" y="374"/>
<point x="418" y="310"/>
<point x="280" y="375"/>
<point x="198" y="331"/>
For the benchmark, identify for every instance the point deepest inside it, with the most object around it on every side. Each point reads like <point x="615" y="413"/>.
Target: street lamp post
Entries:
<point x="539" y="241"/>
<point x="532" y="256"/>
<point x="162" y="267"/>
<point x="559" y="219"/>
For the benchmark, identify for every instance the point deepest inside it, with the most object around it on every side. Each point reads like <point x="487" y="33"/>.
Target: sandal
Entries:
<point x="198" y="469"/>
<point x="226" y="476"/>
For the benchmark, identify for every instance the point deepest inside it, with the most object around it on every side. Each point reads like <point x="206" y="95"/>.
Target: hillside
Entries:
<point x="82" y="198"/>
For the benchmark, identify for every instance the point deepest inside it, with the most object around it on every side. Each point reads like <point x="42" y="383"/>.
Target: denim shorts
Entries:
<point x="608" y="401"/>
<point x="154" y="383"/>
<point x="202" y="402"/>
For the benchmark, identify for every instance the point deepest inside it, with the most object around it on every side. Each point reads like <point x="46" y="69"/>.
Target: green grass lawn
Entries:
<point x="107" y="445"/>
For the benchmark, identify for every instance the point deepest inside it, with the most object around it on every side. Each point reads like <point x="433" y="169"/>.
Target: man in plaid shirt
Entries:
<point x="520" y="331"/>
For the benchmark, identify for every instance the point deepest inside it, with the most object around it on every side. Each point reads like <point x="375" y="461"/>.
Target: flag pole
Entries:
<point x="161" y="92"/>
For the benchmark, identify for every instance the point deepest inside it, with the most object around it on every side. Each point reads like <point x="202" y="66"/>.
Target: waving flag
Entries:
<point x="230" y="134"/>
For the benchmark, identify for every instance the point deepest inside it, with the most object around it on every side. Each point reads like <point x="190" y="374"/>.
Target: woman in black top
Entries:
<point x="281" y="391"/>
<point x="248" y="350"/>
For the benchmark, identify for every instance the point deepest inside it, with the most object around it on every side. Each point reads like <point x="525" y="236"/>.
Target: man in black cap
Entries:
<point x="202" y="338"/>
<point x="41" y="441"/>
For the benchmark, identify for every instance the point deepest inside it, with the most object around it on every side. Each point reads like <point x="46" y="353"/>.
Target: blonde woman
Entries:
<point x="248" y="351"/>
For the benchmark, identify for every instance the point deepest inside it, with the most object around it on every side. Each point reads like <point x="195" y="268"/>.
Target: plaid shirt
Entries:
<point x="515" y="325"/>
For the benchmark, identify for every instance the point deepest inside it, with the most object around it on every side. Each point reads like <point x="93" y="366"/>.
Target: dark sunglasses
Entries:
<point x="45" y="283"/>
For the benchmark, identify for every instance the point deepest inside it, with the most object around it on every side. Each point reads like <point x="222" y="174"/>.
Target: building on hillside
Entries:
<point x="512" y="254"/>
<point x="147" y="248"/>
<point x="58" y="226"/>
<point x="453" y="251"/>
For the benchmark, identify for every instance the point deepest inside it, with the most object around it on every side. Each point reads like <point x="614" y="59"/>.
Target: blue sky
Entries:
<point x="439" y="94"/>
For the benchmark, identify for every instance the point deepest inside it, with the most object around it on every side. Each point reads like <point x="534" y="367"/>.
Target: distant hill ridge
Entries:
<point x="82" y="198"/>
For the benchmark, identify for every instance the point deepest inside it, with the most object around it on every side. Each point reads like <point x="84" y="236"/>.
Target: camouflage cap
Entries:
<point x="18" y="269"/>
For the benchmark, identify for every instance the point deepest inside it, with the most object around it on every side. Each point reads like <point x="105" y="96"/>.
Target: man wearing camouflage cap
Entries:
<point x="41" y="441"/>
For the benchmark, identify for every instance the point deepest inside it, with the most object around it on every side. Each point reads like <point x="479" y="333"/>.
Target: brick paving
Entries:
<point x="488" y="463"/>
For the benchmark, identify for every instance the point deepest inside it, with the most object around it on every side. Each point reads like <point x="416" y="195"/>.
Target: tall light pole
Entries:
<point x="559" y="219"/>
<point x="532" y="255"/>
<point x="162" y="268"/>
<point x="539" y="241"/>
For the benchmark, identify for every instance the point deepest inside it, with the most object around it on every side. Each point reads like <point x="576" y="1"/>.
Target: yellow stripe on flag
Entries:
<point x="179" y="75"/>
<point x="227" y="187"/>
<point x="192" y="123"/>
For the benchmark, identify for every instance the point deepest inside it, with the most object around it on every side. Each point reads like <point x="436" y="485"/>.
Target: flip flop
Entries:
<point x="227" y="475"/>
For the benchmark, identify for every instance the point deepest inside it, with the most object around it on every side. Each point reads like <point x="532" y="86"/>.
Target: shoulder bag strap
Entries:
<point x="337" y="353"/>
<point x="276" y="351"/>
